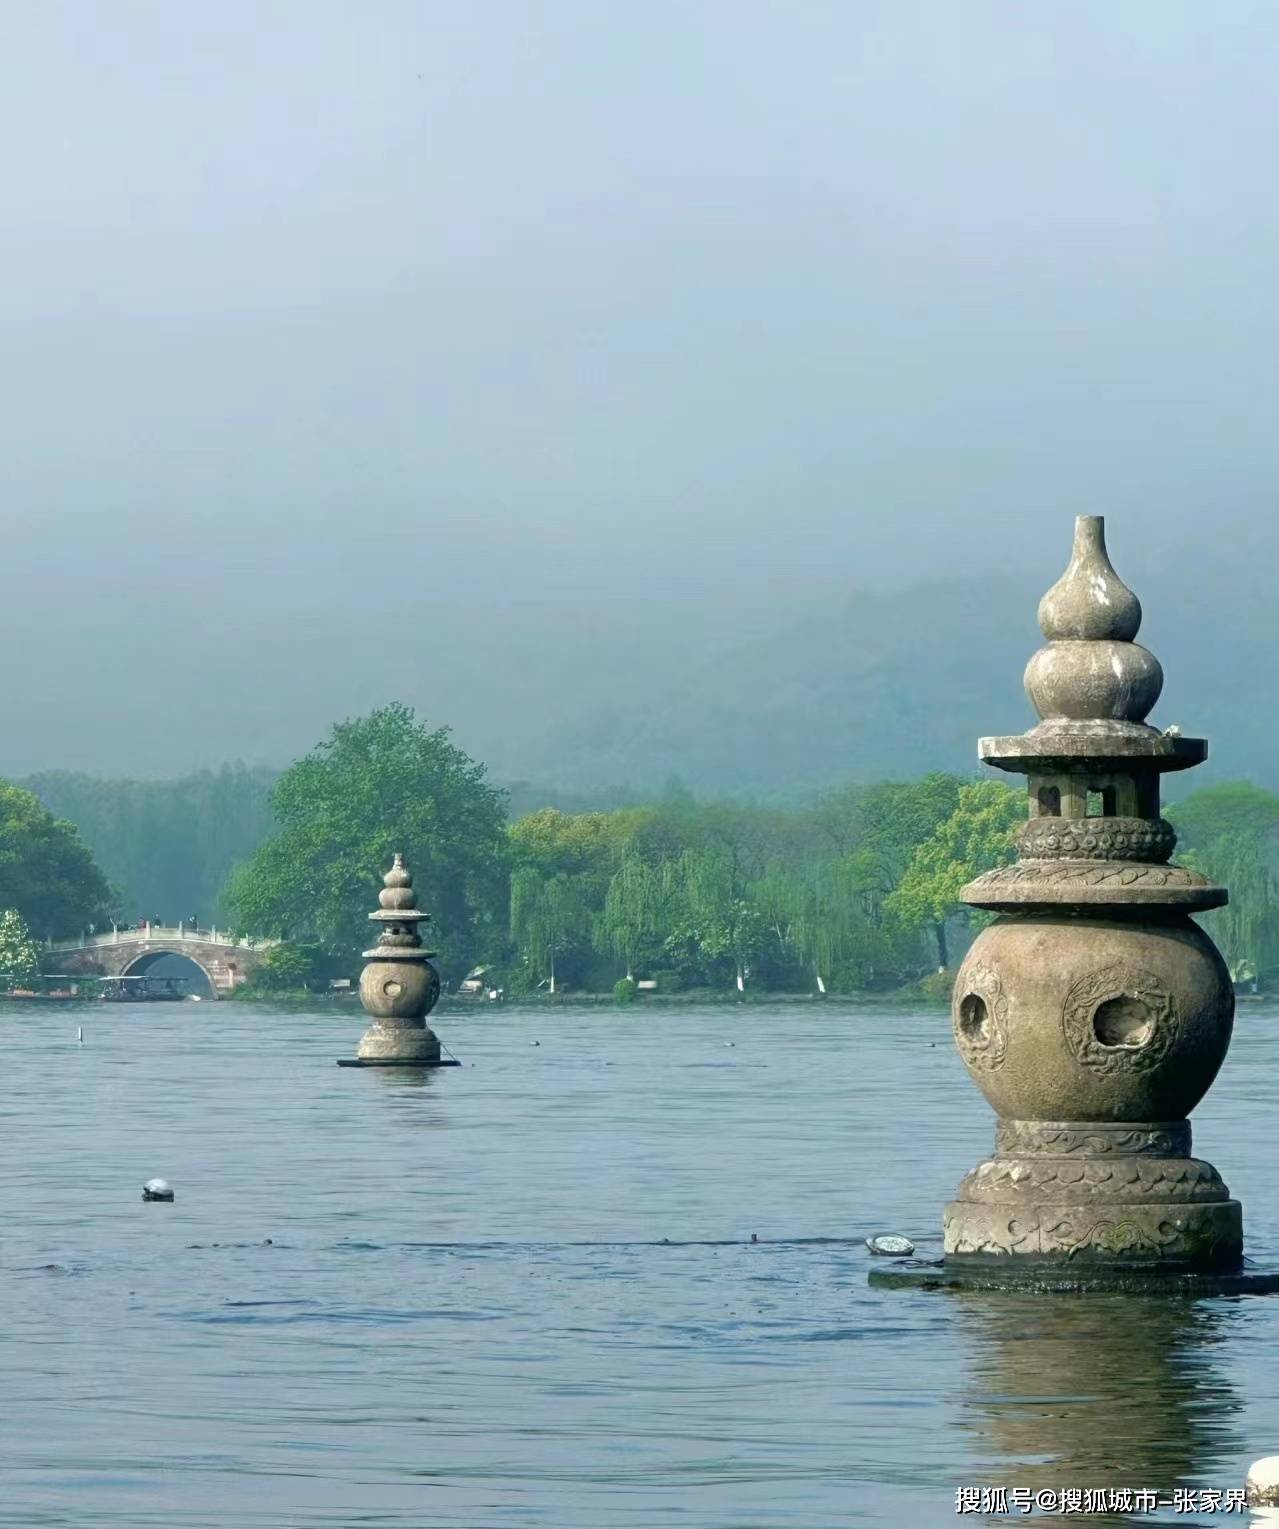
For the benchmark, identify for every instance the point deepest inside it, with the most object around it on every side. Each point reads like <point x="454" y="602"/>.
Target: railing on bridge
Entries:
<point x="165" y="934"/>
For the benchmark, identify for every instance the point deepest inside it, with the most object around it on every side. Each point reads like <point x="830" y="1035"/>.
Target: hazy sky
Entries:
<point x="497" y="356"/>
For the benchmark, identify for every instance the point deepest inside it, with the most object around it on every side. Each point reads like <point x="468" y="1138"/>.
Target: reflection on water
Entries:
<point x="524" y="1292"/>
<point x="1104" y="1391"/>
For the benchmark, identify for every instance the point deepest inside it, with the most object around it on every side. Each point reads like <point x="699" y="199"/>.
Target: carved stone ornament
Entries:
<point x="1097" y="839"/>
<point x="1075" y="1180"/>
<point x="1203" y="1235"/>
<point x="1090" y="873"/>
<point x="1051" y="1138"/>
<point x="1120" y="1019"/>
<point x="980" y="1017"/>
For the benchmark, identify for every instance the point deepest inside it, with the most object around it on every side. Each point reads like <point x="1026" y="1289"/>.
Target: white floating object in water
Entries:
<point x="79" y="1035"/>
<point x="891" y="1246"/>
<point x="157" y="1189"/>
<point x="1262" y="1487"/>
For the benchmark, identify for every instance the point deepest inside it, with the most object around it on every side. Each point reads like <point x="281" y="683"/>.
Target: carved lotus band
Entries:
<point x="1097" y="839"/>
<point x="1074" y="1138"/>
<point x="1074" y="1181"/>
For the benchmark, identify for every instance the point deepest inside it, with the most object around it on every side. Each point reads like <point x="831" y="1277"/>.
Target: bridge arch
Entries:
<point x="144" y="964"/>
<point x="227" y="962"/>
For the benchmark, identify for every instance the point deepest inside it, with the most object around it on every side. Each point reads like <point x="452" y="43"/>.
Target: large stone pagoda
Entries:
<point x="1093" y="1013"/>
<point x="398" y="986"/>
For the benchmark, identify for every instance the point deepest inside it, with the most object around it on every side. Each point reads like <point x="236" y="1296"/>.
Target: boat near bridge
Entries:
<point x="146" y="989"/>
<point x="67" y="987"/>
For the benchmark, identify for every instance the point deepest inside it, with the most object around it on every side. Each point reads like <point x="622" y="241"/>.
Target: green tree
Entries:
<point x="167" y="846"/>
<point x="47" y="873"/>
<point x="379" y="784"/>
<point x="637" y="911"/>
<point x="578" y="843"/>
<point x="977" y="836"/>
<point x="290" y="968"/>
<point x="1231" y="833"/>
<point x="550" y="923"/>
<point x="892" y="819"/>
<point x="19" y="954"/>
<point x="716" y="923"/>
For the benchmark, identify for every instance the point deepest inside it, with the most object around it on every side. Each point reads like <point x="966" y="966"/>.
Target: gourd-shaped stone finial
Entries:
<point x="1090" y="602"/>
<point x="1092" y="671"/>
<point x="397" y="893"/>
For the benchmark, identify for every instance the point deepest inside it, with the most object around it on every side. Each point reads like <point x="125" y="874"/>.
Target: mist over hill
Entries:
<point x="896" y="684"/>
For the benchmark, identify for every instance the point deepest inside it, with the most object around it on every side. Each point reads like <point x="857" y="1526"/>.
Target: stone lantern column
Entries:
<point x="398" y="986"/>
<point x="1093" y="1012"/>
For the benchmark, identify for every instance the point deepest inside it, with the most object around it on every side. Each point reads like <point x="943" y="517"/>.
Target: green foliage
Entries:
<point x="379" y="784"/>
<point x="47" y="872"/>
<point x="550" y="923"/>
<point x="936" y="986"/>
<point x="19" y="954"/>
<point x="712" y="893"/>
<point x="166" y="846"/>
<point x="289" y="968"/>
<point x="637" y="910"/>
<point x="625" y="990"/>
<point x="574" y="843"/>
<point x="1231" y="833"/>
<point x="978" y="835"/>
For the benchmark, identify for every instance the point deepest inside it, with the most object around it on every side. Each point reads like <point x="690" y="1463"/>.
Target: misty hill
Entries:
<point x="898" y="683"/>
<point x="887" y="684"/>
<point x="166" y="846"/>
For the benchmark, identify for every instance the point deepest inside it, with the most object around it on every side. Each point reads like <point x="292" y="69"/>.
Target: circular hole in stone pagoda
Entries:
<point x="1123" y="1022"/>
<point x="974" y="1019"/>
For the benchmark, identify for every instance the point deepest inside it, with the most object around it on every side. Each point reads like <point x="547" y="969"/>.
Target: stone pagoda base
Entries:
<point x="1069" y="1278"/>
<point x="386" y="1044"/>
<point x="1096" y="1193"/>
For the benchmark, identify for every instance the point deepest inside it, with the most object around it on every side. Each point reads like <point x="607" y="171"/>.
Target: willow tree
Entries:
<point x="1231" y="833"/>
<point x="715" y="920"/>
<point x="549" y="918"/>
<point x="637" y="907"/>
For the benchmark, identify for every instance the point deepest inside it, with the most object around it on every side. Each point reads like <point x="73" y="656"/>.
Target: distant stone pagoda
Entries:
<point x="398" y="986"/>
<point x="1093" y="1013"/>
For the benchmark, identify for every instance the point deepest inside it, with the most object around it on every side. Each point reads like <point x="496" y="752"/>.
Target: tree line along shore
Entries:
<point x="854" y="891"/>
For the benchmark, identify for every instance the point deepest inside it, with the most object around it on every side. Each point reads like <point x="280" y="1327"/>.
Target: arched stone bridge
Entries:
<point x="224" y="960"/>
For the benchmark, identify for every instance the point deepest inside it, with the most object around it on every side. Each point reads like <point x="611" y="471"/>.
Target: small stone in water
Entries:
<point x="157" y="1189"/>
<point x="891" y="1246"/>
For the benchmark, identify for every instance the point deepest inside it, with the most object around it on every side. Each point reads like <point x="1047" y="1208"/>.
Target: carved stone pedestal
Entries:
<point x="1096" y="1193"/>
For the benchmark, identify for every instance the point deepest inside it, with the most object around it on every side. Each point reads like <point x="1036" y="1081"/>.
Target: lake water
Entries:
<point x="523" y="1292"/>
